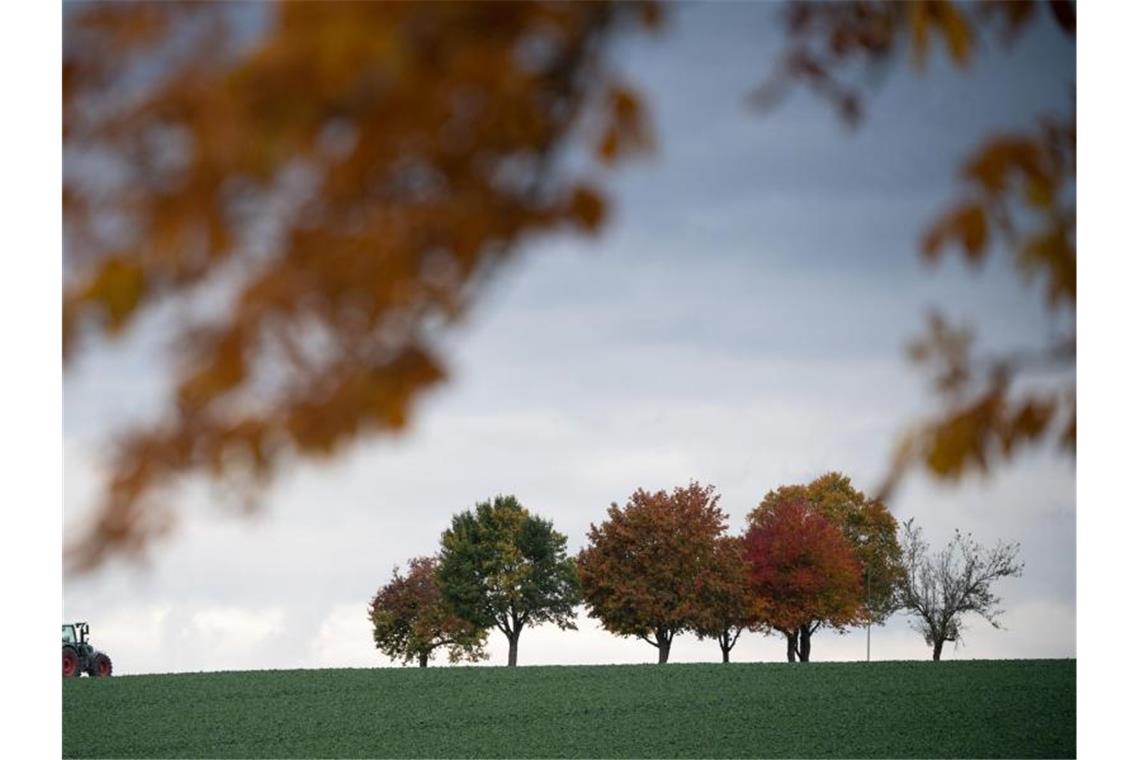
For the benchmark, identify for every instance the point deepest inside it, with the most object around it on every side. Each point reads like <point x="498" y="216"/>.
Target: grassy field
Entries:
<point x="1024" y="708"/>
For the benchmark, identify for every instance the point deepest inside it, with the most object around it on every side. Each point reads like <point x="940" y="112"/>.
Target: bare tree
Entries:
<point x="939" y="589"/>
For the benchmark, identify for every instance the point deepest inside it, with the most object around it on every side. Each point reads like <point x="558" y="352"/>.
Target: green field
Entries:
<point x="1023" y="708"/>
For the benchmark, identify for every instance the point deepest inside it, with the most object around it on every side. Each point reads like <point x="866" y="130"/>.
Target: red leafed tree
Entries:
<point x="411" y="619"/>
<point x="648" y="570"/>
<point x="803" y="573"/>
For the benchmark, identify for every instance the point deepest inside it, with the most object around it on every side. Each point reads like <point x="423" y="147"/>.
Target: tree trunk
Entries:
<point x="937" y="649"/>
<point x="513" y="654"/>
<point x="724" y="653"/>
<point x="726" y="642"/>
<point x="791" y="645"/>
<point x="663" y="638"/>
<point x="423" y="659"/>
<point x="805" y="643"/>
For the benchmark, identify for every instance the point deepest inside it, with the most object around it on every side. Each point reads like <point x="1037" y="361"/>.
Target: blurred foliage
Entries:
<point x="351" y="176"/>
<point x="652" y="568"/>
<point x="834" y="47"/>
<point x="1019" y="195"/>
<point x="410" y="619"/>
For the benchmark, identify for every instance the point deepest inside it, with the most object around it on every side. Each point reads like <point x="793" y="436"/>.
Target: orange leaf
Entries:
<point x="588" y="208"/>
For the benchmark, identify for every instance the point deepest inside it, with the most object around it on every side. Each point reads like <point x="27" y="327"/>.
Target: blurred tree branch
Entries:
<point x="430" y="139"/>
<point x="1019" y="195"/>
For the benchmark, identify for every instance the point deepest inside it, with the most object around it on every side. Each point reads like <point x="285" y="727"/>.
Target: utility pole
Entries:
<point x="867" y="590"/>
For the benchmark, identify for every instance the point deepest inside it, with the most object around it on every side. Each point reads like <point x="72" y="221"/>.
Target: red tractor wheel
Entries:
<point x="70" y="663"/>
<point x="101" y="666"/>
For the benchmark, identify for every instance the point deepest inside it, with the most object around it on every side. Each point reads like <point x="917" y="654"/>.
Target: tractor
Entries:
<point x="79" y="656"/>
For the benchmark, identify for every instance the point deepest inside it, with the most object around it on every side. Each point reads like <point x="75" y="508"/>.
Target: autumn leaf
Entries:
<point x="625" y="131"/>
<point x="589" y="208"/>
<point x="957" y="32"/>
<point x="114" y="292"/>
<point x="966" y="226"/>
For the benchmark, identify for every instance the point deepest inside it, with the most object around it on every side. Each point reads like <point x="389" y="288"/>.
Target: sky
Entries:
<point x="741" y="321"/>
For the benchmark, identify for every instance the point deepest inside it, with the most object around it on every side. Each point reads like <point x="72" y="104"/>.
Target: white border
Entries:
<point x="1108" y="179"/>
<point x="31" y="446"/>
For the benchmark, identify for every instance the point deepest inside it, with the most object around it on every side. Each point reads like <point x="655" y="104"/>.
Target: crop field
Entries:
<point x="1022" y="708"/>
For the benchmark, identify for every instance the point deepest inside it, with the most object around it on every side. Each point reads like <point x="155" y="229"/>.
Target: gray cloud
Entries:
<point x="741" y="323"/>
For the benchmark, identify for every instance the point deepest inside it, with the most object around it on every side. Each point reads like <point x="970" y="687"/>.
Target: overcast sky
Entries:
<point x="740" y="322"/>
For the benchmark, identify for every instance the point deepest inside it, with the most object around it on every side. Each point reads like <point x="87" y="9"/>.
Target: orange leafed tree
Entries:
<point x="727" y="605"/>
<point x="803" y="573"/>
<point x="343" y="182"/>
<point x="650" y="569"/>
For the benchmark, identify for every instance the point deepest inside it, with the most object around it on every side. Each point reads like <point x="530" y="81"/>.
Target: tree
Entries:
<point x="804" y="573"/>
<point x="646" y="571"/>
<point x="728" y="605"/>
<point x="504" y="567"/>
<point x="866" y="525"/>
<point x="940" y="589"/>
<point x="410" y="619"/>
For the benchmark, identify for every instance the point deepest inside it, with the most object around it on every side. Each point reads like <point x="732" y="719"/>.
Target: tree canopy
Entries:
<point x="502" y="567"/>
<point x="804" y="573"/>
<point x="866" y="524"/>
<point x="650" y="569"/>
<point x="727" y="604"/>
<point x="411" y="619"/>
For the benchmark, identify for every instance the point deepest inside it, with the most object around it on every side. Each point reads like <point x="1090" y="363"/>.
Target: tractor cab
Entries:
<point x="79" y="656"/>
<point x="75" y="633"/>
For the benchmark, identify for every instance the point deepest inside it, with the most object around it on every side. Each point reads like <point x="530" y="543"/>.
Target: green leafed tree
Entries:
<point x="411" y="619"/>
<point x="502" y="567"/>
